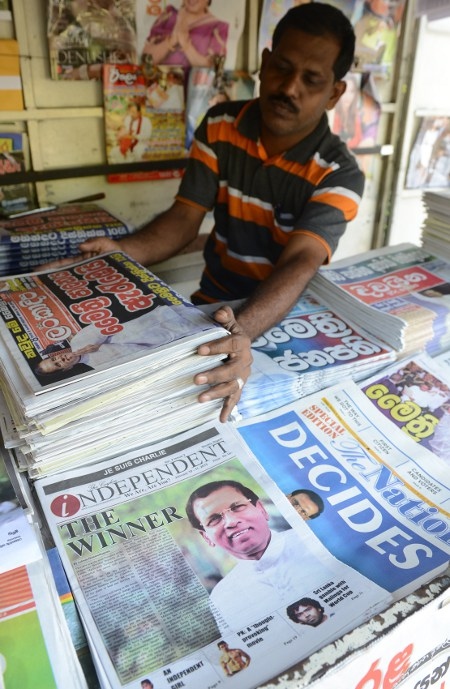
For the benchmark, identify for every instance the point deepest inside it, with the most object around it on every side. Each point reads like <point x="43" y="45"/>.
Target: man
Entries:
<point x="307" y="611"/>
<point x="307" y="503"/>
<point x="146" y="684"/>
<point x="282" y="187"/>
<point x="232" y="660"/>
<point x="272" y="567"/>
<point x="89" y="346"/>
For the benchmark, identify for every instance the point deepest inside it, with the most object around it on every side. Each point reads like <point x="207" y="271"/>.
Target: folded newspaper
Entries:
<point x="91" y="355"/>
<point x="414" y="395"/>
<point x="376" y="498"/>
<point x="310" y="349"/>
<point x="399" y="294"/>
<point x="31" y="239"/>
<point x="189" y="565"/>
<point x="436" y="227"/>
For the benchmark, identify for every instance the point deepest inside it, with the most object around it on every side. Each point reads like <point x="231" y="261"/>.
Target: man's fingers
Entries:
<point x="226" y="380"/>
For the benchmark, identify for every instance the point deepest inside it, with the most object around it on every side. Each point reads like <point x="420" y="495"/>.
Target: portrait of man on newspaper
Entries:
<point x="307" y="611"/>
<point x="89" y="350"/>
<point x="272" y="568"/>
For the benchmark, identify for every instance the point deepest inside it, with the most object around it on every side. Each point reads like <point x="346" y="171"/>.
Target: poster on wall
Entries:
<point x="144" y="113"/>
<point x="356" y="117"/>
<point x="429" y="161"/>
<point x="189" y="33"/>
<point x="86" y="34"/>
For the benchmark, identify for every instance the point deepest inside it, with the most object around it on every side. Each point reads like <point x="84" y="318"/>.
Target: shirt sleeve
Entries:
<point x="200" y="182"/>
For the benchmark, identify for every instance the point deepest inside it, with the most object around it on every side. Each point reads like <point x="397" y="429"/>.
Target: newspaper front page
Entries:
<point x="400" y="293"/>
<point x="190" y="566"/>
<point x="385" y="500"/>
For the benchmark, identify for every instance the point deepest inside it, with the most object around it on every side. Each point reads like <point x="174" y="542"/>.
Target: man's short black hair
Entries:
<point x="290" y="610"/>
<point x="211" y="487"/>
<point x="317" y="500"/>
<point x="319" y="19"/>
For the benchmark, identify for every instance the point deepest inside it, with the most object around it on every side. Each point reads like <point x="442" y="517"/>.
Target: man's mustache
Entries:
<point x="286" y="101"/>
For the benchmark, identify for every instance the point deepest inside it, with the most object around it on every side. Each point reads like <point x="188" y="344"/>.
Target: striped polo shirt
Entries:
<point x="259" y="202"/>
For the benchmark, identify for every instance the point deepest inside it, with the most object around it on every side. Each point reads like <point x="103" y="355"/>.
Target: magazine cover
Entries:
<point x="429" y="162"/>
<point x="375" y="498"/>
<point x="90" y="317"/>
<point x="14" y="198"/>
<point x="144" y="113"/>
<point x="192" y="34"/>
<point x="83" y="36"/>
<point x="208" y="86"/>
<point x="197" y="514"/>
<point x="377" y="27"/>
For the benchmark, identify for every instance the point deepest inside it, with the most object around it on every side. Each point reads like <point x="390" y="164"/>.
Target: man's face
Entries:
<point x="305" y="507"/>
<point x="308" y="614"/>
<point x="297" y="86"/>
<point x="59" y="361"/>
<point x="244" y="533"/>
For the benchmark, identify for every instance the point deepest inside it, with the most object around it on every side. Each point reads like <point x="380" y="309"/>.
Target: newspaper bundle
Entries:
<point x="31" y="239"/>
<point x="399" y="294"/>
<point x="436" y="226"/>
<point x="189" y="566"/>
<point x="93" y="354"/>
<point x="310" y="349"/>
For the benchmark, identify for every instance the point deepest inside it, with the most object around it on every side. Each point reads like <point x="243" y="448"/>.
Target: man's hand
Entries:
<point x="88" y="249"/>
<point x="226" y="380"/>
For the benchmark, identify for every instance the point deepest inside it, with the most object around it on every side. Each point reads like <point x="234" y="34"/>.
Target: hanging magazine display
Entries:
<point x="83" y="36"/>
<point x="429" y="162"/>
<point x="376" y="23"/>
<point x="144" y="113"/>
<point x="208" y="31"/>
<point x="356" y="115"/>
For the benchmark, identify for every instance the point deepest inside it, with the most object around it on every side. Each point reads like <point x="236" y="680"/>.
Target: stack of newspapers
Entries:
<point x="310" y="349"/>
<point x="400" y="294"/>
<point x="436" y="227"/>
<point x="95" y="359"/>
<point x="30" y="239"/>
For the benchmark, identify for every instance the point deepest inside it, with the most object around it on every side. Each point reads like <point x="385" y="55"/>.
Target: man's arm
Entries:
<point x="161" y="238"/>
<point x="275" y="296"/>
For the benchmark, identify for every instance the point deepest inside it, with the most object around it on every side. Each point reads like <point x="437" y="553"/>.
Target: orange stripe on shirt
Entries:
<point x="204" y="157"/>
<point x="252" y="212"/>
<point x="311" y="172"/>
<point x="345" y="204"/>
<point x="226" y="131"/>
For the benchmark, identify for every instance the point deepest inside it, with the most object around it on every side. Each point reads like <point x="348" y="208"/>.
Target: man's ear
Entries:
<point x="339" y="88"/>
<point x="207" y="539"/>
<point x="265" y="55"/>
<point x="262" y="509"/>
